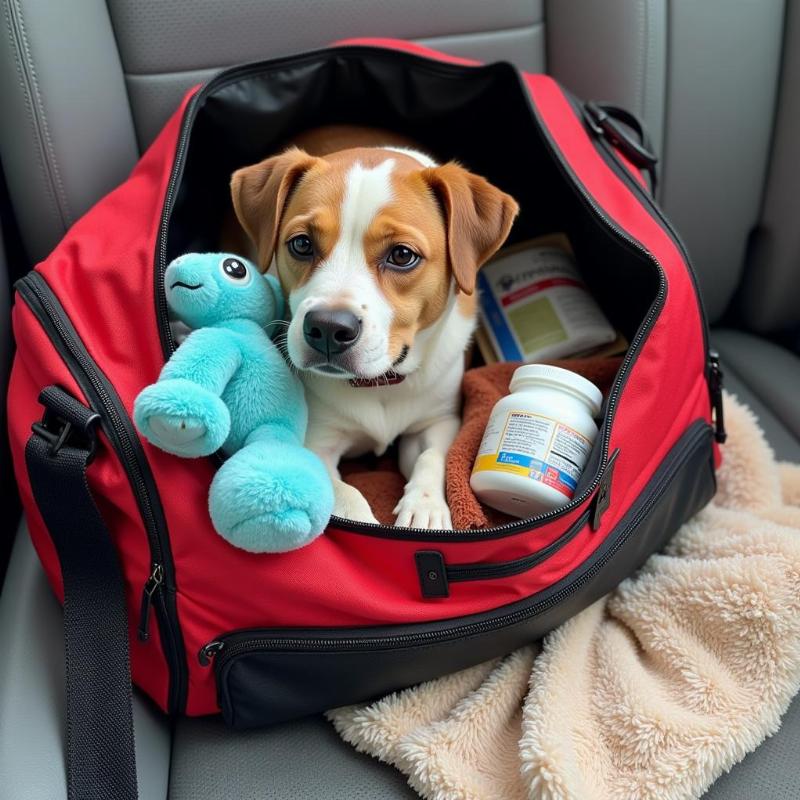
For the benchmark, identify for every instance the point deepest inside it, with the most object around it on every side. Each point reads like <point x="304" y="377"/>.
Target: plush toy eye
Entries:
<point x="301" y="246"/>
<point x="402" y="257"/>
<point x="234" y="269"/>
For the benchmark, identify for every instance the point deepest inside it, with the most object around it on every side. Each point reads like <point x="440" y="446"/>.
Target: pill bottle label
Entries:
<point x="535" y="447"/>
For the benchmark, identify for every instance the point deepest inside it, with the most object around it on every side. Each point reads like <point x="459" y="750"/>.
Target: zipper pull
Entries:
<point x="602" y="497"/>
<point x="715" y="377"/>
<point x="207" y="652"/>
<point x="151" y="586"/>
<point x="432" y="572"/>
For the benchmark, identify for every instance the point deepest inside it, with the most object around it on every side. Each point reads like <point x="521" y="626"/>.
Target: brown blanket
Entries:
<point x="380" y="481"/>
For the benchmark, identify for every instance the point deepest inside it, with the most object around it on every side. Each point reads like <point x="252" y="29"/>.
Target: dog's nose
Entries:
<point x="331" y="331"/>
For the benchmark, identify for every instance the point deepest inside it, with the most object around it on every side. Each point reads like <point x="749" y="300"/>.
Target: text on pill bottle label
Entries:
<point x="535" y="447"/>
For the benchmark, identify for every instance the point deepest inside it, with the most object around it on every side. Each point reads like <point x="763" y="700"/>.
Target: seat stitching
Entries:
<point x="527" y="26"/>
<point x="651" y="59"/>
<point x="641" y="66"/>
<point x="27" y="94"/>
<point x="647" y="44"/>
<point x="40" y="122"/>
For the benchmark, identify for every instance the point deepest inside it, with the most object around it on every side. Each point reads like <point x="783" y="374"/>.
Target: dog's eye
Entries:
<point x="402" y="257"/>
<point x="301" y="246"/>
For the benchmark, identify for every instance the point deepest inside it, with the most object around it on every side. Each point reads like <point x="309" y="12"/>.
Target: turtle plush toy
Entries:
<point x="228" y="387"/>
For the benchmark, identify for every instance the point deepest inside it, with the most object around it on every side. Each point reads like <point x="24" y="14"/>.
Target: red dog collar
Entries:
<point x="387" y="379"/>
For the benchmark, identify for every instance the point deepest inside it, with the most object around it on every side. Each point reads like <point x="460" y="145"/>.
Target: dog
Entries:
<point x="377" y="248"/>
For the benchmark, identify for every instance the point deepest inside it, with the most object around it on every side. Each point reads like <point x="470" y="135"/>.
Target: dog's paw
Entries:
<point x="422" y="508"/>
<point x="350" y="504"/>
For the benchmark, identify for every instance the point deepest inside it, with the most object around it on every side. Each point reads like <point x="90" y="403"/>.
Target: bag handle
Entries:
<point x="604" y="119"/>
<point x="100" y="752"/>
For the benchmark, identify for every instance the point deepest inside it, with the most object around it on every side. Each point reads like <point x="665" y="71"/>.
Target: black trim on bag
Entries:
<point x="270" y="675"/>
<point x="104" y="401"/>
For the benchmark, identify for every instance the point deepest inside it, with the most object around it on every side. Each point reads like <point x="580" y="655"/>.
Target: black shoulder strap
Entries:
<point x="101" y="760"/>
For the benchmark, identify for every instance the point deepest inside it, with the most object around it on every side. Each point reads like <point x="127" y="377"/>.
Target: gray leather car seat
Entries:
<point x="84" y="87"/>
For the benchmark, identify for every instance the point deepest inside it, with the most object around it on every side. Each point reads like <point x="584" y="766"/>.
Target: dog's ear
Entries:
<point x="478" y="217"/>
<point x="259" y="194"/>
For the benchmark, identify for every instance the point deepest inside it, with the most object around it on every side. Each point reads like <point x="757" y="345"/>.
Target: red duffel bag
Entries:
<point x="274" y="636"/>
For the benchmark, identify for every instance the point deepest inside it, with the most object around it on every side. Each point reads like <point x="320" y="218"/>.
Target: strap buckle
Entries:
<point x="65" y="421"/>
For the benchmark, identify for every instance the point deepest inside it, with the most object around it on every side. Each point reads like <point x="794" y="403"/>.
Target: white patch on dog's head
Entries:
<point x="344" y="280"/>
<point x="367" y="191"/>
<point x="422" y="158"/>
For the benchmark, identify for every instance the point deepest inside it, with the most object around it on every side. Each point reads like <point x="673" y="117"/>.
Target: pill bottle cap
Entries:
<point x="533" y="375"/>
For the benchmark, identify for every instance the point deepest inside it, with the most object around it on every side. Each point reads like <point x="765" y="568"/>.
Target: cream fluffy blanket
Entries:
<point x="652" y="692"/>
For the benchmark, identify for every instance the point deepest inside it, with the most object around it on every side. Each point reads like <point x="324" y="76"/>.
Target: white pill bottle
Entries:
<point x="537" y="441"/>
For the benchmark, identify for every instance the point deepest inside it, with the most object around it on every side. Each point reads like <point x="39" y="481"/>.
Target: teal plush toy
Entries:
<point x="227" y="386"/>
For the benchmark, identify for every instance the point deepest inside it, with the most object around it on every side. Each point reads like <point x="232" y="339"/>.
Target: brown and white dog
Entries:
<point x="377" y="249"/>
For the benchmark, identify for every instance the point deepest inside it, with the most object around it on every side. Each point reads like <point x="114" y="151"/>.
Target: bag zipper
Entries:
<point x="151" y="586"/>
<point x="436" y="575"/>
<point x="229" y="646"/>
<point x="714" y="374"/>
<point x="507" y="569"/>
<point x="611" y="157"/>
<point x="103" y="399"/>
<point x="162" y="316"/>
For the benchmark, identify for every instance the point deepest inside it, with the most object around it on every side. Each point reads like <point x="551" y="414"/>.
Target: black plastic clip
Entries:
<point x="65" y="421"/>
<point x="432" y="573"/>
<point x="715" y="376"/>
<point x="602" y="497"/>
